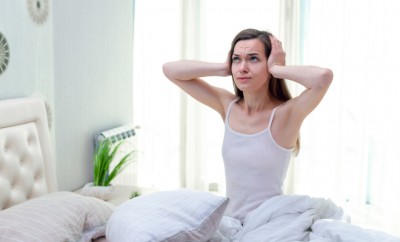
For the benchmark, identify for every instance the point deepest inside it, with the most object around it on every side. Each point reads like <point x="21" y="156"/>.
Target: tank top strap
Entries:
<point x="230" y="107"/>
<point x="272" y="116"/>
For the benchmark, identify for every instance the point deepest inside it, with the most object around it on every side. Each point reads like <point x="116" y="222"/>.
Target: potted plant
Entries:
<point x="103" y="173"/>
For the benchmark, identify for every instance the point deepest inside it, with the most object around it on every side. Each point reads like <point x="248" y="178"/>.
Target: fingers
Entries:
<point x="276" y="45"/>
<point x="274" y="41"/>
<point x="278" y="55"/>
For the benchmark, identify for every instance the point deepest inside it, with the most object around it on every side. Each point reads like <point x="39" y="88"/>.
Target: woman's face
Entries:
<point x="249" y="65"/>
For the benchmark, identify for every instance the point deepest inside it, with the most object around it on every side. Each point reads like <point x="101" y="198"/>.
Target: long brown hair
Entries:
<point x="277" y="87"/>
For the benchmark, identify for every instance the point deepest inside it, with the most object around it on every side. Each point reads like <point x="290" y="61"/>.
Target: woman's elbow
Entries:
<point x="326" y="77"/>
<point x="166" y="69"/>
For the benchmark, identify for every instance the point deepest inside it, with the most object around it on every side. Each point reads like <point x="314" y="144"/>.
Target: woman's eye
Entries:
<point x="253" y="59"/>
<point x="235" y="59"/>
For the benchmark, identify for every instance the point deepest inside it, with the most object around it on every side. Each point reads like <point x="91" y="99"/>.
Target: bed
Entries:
<point x="33" y="209"/>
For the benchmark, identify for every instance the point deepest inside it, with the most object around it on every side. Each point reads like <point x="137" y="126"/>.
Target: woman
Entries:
<point x="262" y="121"/>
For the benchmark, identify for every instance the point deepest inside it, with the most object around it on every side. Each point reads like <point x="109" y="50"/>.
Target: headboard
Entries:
<point x="27" y="168"/>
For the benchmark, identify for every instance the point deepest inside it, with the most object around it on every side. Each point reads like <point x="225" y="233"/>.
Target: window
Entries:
<point x="157" y="35"/>
<point x="350" y="142"/>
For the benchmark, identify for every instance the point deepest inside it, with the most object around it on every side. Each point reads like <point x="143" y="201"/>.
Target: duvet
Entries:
<point x="296" y="218"/>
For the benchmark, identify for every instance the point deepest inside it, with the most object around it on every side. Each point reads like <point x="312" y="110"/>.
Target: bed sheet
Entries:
<point x="296" y="218"/>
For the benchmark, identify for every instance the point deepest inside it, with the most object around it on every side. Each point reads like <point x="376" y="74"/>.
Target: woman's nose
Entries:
<point x="244" y="67"/>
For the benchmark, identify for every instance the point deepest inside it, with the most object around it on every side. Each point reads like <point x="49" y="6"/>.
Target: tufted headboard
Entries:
<point x="26" y="160"/>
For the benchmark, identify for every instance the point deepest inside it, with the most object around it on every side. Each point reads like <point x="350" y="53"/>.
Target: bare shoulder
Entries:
<point x="226" y="99"/>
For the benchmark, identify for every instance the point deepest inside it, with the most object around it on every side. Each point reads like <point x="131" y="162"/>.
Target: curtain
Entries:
<point x="350" y="142"/>
<point x="157" y="39"/>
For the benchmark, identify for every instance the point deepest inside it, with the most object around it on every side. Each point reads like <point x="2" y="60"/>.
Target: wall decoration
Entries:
<point x="4" y="53"/>
<point x="38" y="10"/>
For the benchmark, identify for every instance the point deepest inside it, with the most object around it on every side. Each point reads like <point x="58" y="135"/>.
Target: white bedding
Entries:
<point x="296" y="218"/>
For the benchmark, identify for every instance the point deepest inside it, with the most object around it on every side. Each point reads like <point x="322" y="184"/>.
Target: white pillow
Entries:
<point x="58" y="216"/>
<point x="178" y="215"/>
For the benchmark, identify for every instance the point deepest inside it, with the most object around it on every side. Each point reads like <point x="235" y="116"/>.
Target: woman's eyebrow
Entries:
<point x="253" y="53"/>
<point x="249" y="54"/>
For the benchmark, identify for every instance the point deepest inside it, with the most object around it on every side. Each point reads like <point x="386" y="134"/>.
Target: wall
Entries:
<point x="30" y="67"/>
<point x="80" y="60"/>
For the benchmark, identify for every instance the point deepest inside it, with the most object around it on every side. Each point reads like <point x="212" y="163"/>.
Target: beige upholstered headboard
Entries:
<point x="26" y="159"/>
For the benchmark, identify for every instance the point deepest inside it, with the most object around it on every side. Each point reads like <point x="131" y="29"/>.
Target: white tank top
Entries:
<point x="255" y="167"/>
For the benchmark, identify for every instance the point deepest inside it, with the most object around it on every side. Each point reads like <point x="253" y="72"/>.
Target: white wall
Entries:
<point x="80" y="60"/>
<point x="30" y="67"/>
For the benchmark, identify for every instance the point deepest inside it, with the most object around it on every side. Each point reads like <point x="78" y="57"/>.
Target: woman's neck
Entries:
<point x="255" y="102"/>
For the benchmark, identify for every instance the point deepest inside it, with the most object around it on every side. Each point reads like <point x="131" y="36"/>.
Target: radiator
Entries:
<point x="125" y="133"/>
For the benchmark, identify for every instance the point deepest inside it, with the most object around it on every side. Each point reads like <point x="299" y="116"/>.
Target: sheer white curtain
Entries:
<point x="157" y="39"/>
<point x="350" y="143"/>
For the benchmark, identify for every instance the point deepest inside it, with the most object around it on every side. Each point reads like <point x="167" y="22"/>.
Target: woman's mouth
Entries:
<point x="243" y="78"/>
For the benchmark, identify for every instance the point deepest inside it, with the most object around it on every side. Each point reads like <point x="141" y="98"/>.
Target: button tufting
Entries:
<point x="38" y="177"/>
<point x="26" y="165"/>
<point x="29" y="141"/>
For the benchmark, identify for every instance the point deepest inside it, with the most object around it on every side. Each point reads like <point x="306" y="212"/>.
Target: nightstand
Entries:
<point x="122" y="193"/>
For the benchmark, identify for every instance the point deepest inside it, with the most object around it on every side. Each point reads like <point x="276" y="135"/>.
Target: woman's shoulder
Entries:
<point x="227" y="101"/>
<point x="230" y="100"/>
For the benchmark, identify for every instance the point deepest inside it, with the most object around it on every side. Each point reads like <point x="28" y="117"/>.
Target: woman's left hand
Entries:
<point x="277" y="56"/>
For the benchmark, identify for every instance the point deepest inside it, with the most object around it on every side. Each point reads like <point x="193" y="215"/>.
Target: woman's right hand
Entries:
<point x="227" y="65"/>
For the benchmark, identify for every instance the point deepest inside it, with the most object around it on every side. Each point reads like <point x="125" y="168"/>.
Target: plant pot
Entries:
<point x="101" y="192"/>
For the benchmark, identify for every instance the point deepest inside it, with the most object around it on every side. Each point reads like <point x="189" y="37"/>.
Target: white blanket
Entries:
<point x="296" y="218"/>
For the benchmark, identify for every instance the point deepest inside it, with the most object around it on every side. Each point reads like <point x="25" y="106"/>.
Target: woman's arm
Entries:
<point x="186" y="74"/>
<point x="189" y="69"/>
<point x="315" y="79"/>
<point x="290" y="116"/>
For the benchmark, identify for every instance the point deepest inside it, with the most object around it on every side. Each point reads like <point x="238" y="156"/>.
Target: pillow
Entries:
<point x="178" y="215"/>
<point x="58" y="216"/>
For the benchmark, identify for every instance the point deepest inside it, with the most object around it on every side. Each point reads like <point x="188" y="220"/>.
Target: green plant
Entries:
<point x="135" y="194"/>
<point x="103" y="157"/>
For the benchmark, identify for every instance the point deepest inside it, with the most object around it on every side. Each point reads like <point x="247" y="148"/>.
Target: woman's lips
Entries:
<point x="243" y="79"/>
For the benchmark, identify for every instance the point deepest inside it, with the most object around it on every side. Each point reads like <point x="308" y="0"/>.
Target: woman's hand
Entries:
<point x="277" y="56"/>
<point x="227" y="65"/>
